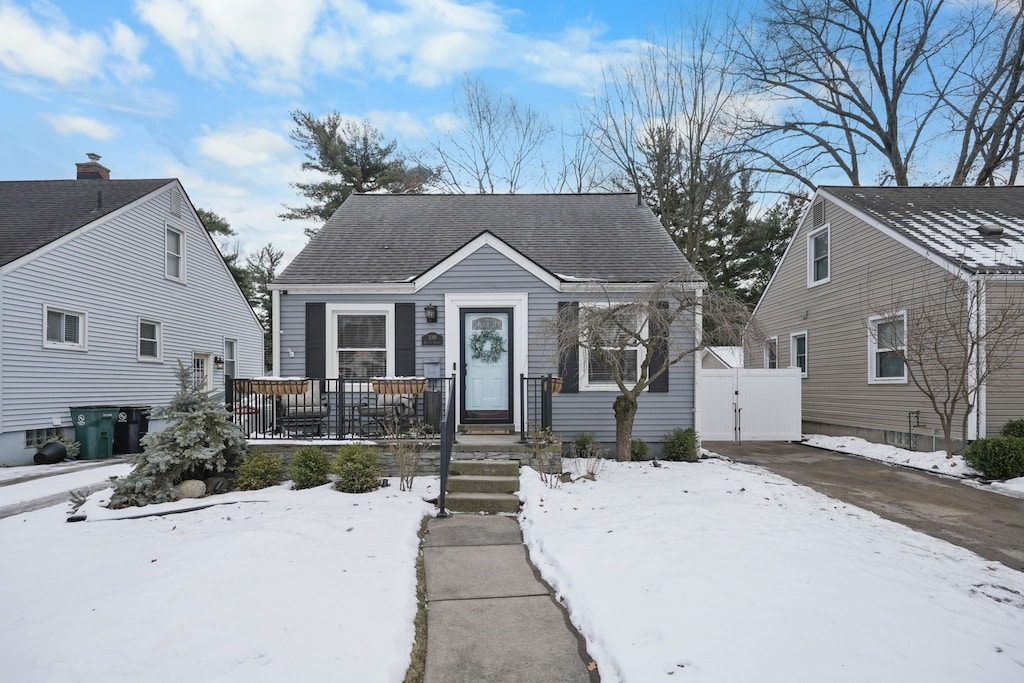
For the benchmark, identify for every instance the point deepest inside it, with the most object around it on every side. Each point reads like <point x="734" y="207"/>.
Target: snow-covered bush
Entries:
<point x="681" y="444"/>
<point x="260" y="470"/>
<point x="310" y="467"/>
<point x="358" y="469"/>
<point x="1001" y="457"/>
<point x="201" y="440"/>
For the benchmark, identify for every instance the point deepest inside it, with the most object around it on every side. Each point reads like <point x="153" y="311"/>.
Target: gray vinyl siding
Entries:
<point x="1005" y="388"/>
<point x="868" y="270"/>
<point x="114" y="273"/>
<point x="487" y="270"/>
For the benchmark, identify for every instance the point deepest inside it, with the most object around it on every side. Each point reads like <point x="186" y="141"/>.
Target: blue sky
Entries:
<point x="201" y="89"/>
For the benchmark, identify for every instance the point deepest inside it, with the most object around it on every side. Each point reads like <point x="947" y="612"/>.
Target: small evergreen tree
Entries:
<point x="201" y="440"/>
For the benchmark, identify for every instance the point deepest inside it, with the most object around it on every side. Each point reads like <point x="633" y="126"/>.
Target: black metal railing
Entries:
<point x="535" y="404"/>
<point x="447" y="441"/>
<point x="321" y="408"/>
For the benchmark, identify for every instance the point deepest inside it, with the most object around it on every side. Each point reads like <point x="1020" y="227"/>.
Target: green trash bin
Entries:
<point x="94" y="430"/>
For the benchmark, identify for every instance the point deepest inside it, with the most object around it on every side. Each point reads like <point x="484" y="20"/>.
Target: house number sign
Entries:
<point x="432" y="339"/>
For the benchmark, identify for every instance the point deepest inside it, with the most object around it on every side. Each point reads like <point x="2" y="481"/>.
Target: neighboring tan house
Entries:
<point x="105" y="287"/>
<point x="483" y="268"/>
<point x="837" y="304"/>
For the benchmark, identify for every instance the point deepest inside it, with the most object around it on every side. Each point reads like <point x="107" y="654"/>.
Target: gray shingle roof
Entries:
<point x="393" y="238"/>
<point x="34" y="213"/>
<point x="945" y="220"/>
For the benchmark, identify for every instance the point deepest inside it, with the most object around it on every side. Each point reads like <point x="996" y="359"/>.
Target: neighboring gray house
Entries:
<point x="858" y="248"/>
<point x="105" y="286"/>
<point x="722" y="357"/>
<point x="491" y="266"/>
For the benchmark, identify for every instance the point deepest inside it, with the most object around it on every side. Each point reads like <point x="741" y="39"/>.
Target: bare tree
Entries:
<point x="950" y="339"/>
<point x="848" y="83"/>
<point x="495" y="144"/>
<point x="632" y="340"/>
<point x="578" y="167"/>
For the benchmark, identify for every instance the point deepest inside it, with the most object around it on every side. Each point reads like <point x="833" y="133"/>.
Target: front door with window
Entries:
<point x="486" y="365"/>
<point x="202" y="378"/>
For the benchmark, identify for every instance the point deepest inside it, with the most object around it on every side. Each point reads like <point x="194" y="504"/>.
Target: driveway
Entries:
<point x="988" y="523"/>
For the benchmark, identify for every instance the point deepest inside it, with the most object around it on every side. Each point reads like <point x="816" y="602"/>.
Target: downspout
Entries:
<point x="275" y="331"/>
<point x="976" y="312"/>
<point x="698" y="335"/>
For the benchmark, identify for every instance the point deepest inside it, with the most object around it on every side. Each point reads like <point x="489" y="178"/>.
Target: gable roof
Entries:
<point x="945" y="221"/>
<point x="34" y="213"/>
<point x="378" y="238"/>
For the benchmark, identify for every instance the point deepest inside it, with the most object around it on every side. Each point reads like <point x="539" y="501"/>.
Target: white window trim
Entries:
<point x="873" y="347"/>
<point x="792" y="352"/>
<point x="584" y="355"/>
<point x="230" y="358"/>
<point x="811" y="282"/>
<point x="334" y="310"/>
<point x="83" y="329"/>
<point x="159" y="358"/>
<point x="181" y="257"/>
<point x="767" y="365"/>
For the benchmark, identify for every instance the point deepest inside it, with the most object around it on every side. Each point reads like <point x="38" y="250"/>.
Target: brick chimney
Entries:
<point x="92" y="169"/>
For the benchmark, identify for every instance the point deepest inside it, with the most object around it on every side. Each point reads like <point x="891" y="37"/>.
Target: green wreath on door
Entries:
<point x="487" y="346"/>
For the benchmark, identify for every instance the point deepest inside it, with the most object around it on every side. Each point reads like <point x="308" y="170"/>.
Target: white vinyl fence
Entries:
<point x="740" y="404"/>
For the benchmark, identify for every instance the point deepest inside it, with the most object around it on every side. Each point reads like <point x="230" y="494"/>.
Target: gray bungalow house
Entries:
<point x="441" y="285"/>
<point x="105" y="286"/>
<point x="867" y="265"/>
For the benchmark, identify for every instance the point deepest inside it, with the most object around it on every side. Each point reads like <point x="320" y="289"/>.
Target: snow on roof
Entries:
<point x="731" y="356"/>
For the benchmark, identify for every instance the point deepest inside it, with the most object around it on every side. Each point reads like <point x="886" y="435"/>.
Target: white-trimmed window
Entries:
<point x="361" y="340"/>
<point x="819" y="261"/>
<point x="151" y="347"/>
<point x="798" y="352"/>
<point x="619" y="352"/>
<point x="174" y="253"/>
<point x="64" y="329"/>
<point x="230" y="357"/>
<point x="887" y="335"/>
<point x="771" y="353"/>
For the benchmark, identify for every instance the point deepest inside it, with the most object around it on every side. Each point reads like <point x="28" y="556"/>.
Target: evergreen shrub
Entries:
<point x="1001" y="457"/>
<point x="639" y="450"/>
<point x="260" y="470"/>
<point x="358" y="469"/>
<point x="582" y="444"/>
<point x="1013" y="428"/>
<point x="682" y="445"/>
<point x="310" y="467"/>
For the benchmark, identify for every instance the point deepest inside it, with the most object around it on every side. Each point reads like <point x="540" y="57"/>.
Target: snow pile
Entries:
<point x="719" y="571"/>
<point x="934" y="461"/>
<point x="70" y="480"/>
<point x="311" y="585"/>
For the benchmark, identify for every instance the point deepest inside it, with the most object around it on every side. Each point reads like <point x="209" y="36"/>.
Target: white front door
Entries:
<point x="202" y="375"/>
<point x="486" y="368"/>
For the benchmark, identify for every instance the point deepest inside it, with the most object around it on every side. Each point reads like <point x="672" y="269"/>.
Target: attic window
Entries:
<point x="990" y="230"/>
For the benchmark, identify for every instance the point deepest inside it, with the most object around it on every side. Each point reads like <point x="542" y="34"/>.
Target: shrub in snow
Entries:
<point x="682" y="445"/>
<point x="358" y="469"/>
<point x="260" y="470"/>
<point x="582" y="444"/>
<point x="639" y="450"/>
<point x="310" y="467"/>
<point x="1001" y="457"/>
<point x="1013" y="428"/>
<point x="202" y="440"/>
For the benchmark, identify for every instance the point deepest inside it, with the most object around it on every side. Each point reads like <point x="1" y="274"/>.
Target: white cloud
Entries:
<point x="44" y="46"/>
<point x="246" y="147"/>
<point x="68" y="124"/>
<point x="445" y="122"/>
<point x="395" y="123"/>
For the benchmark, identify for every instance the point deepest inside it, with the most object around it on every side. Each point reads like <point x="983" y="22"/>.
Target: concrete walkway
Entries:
<point x="490" y="618"/>
<point x="985" y="522"/>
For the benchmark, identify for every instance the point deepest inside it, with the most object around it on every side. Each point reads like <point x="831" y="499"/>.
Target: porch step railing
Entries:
<point x="447" y="441"/>
<point x="535" y="404"/>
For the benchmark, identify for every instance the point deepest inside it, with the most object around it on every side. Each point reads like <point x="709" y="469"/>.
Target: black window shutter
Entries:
<point x="568" y="362"/>
<point x="405" y="339"/>
<point x="659" y="354"/>
<point x="316" y="340"/>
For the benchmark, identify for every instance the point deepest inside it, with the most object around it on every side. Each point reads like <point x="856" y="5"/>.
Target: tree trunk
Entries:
<point x="625" y="412"/>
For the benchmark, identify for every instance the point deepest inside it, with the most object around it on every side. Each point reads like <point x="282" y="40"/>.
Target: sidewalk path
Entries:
<point x="490" y="618"/>
<point x="53" y="485"/>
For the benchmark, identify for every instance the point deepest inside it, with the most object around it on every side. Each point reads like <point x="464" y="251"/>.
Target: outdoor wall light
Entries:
<point x="218" y="363"/>
<point x="430" y="311"/>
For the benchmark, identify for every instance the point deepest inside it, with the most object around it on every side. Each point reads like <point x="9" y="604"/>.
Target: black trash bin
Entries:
<point x="132" y="424"/>
<point x="432" y="409"/>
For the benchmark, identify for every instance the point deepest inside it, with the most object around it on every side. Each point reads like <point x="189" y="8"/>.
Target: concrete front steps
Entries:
<point x="483" y="486"/>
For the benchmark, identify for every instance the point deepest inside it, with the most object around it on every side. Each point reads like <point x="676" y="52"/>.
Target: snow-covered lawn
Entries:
<point x="718" y="571"/>
<point x="935" y="461"/>
<point x="68" y="480"/>
<point x="312" y="585"/>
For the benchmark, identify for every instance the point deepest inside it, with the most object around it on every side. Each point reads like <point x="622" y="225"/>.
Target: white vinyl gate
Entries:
<point x="738" y="404"/>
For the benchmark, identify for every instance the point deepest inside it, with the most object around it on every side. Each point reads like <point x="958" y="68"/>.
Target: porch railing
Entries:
<point x="535" y="404"/>
<point x="338" y="408"/>
<point x="447" y="441"/>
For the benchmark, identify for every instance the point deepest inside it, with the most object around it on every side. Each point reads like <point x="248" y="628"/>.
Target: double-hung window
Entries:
<point x="150" y="340"/>
<point x="63" y="329"/>
<point x="798" y="352"/>
<point x="771" y="353"/>
<point x="613" y="347"/>
<point x="362" y="341"/>
<point x="174" y="254"/>
<point x="230" y="353"/>
<point x="819" y="266"/>
<point x="887" y="338"/>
